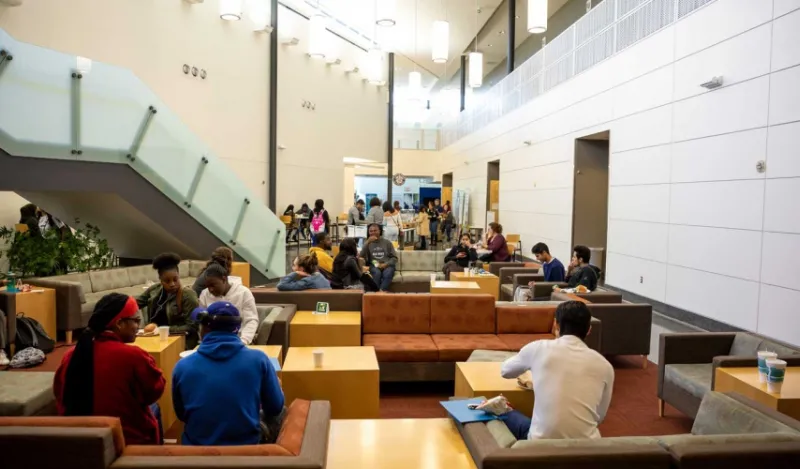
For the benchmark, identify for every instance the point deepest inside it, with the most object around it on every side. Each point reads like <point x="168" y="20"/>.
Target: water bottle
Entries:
<point x="11" y="287"/>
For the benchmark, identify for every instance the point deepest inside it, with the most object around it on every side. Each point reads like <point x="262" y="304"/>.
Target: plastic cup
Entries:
<point x="763" y="356"/>
<point x="433" y="278"/>
<point x="163" y="333"/>
<point x="776" y="370"/>
<point x="318" y="355"/>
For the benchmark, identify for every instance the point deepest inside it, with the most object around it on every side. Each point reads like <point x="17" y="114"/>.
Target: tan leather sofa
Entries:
<point x="98" y="443"/>
<point x="730" y="432"/>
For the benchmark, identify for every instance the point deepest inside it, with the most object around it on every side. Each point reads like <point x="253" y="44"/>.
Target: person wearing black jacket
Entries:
<point x="580" y="272"/>
<point x="460" y="256"/>
<point x="347" y="272"/>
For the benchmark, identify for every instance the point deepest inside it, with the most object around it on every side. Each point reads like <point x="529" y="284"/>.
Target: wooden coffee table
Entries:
<point x="745" y="382"/>
<point x="456" y="288"/>
<point x="166" y="354"/>
<point x="483" y="379"/>
<point x="348" y="379"/>
<point x="397" y="444"/>
<point x="488" y="282"/>
<point x="272" y="351"/>
<point x="335" y="329"/>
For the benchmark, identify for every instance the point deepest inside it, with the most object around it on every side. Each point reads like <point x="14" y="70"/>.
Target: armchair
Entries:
<point x="507" y="274"/>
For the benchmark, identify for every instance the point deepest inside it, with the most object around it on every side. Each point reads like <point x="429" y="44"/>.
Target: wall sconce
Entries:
<point x="715" y="82"/>
<point x="290" y="41"/>
<point x="352" y="69"/>
<point x="527" y="143"/>
<point x="335" y="62"/>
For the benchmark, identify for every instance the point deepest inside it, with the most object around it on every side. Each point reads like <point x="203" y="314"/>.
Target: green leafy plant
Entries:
<point x="81" y="250"/>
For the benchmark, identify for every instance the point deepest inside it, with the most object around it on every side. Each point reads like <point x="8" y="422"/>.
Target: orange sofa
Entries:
<point x="98" y="442"/>
<point x="420" y="337"/>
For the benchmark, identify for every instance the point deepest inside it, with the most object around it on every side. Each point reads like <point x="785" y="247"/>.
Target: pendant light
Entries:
<point x="385" y="13"/>
<point x="440" y="39"/>
<point x="414" y="77"/>
<point x="230" y="10"/>
<point x="316" y="36"/>
<point x="537" y="16"/>
<point x="476" y="59"/>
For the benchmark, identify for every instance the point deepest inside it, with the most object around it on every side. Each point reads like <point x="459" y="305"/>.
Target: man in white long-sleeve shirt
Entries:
<point x="572" y="383"/>
<point x="219" y="289"/>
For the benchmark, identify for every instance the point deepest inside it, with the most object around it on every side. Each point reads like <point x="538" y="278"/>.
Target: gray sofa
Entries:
<point x="687" y="363"/>
<point x="730" y="431"/>
<point x="414" y="269"/>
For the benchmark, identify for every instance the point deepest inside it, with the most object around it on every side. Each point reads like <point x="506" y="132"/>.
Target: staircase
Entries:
<point x="102" y="147"/>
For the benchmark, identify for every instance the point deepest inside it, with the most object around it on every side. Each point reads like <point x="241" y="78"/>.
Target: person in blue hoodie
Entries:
<point x="225" y="393"/>
<point x="305" y="275"/>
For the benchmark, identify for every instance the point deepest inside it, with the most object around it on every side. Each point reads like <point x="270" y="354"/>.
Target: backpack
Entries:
<point x="27" y="358"/>
<point x="318" y="222"/>
<point x="31" y="334"/>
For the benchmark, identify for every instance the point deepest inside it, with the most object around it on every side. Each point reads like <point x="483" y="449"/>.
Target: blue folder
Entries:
<point x="275" y="363"/>
<point x="459" y="411"/>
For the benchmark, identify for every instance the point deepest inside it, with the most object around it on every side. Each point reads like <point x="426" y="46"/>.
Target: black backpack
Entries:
<point x="31" y="334"/>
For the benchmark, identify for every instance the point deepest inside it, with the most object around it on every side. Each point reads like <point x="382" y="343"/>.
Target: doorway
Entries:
<point x="492" y="192"/>
<point x="447" y="188"/>
<point x="590" y="197"/>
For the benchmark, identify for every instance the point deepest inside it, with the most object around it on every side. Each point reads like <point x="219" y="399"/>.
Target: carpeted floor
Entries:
<point x="634" y="406"/>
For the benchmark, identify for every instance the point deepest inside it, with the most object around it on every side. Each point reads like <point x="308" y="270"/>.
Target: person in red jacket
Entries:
<point x="104" y="376"/>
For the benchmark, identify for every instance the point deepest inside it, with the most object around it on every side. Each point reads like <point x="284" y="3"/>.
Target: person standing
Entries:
<point x="168" y="303"/>
<point x="290" y="229"/>
<point x="320" y="221"/>
<point x="355" y="216"/>
<point x="375" y="214"/>
<point x="392" y="223"/>
<point x="302" y="217"/>
<point x="105" y="376"/>
<point x="221" y="391"/>
<point x="423" y="227"/>
<point x="218" y="288"/>
<point x="380" y="256"/>
<point x="572" y="383"/>
<point x="433" y="217"/>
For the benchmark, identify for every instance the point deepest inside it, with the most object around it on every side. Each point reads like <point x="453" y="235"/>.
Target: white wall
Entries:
<point x="154" y="38"/>
<point x="10" y="203"/>
<point x="349" y="120"/>
<point x="691" y="221"/>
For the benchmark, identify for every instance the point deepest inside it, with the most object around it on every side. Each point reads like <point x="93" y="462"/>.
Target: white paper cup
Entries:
<point x="763" y="356"/>
<point x="433" y="278"/>
<point x="467" y="271"/>
<point x="776" y="369"/>
<point x="318" y="356"/>
<point x="163" y="333"/>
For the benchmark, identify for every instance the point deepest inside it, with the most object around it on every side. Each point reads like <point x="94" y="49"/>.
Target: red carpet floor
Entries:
<point x="634" y="405"/>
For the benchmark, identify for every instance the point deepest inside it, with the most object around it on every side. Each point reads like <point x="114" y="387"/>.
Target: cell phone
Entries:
<point x="472" y="406"/>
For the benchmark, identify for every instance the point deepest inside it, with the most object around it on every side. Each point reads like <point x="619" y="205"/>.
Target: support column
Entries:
<point x="390" y="129"/>
<point x="273" y="108"/>
<point x="510" y="34"/>
<point x="463" y="82"/>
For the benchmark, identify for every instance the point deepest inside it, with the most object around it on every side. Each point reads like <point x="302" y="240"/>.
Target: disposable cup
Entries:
<point x="776" y="370"/>
<point x="163" y="333"/>
<point x="763" y="355"/>
<point x="318" y="356"/>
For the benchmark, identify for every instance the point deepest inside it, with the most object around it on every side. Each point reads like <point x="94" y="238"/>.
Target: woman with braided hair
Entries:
<point x="104" y="376"/>
<point x="222" y="256"/>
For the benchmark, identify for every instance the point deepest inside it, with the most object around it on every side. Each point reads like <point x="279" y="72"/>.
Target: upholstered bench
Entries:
<point x="27" y="393"/>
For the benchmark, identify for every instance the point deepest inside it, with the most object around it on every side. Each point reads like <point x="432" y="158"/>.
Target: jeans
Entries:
<point x="434" y="231"/>
<point x="156" y="410"/>
<point x="382" y="277"/>
<point x="518" y="423"/>
<point x="448" y="229"/>
<point x="422" y="243"/>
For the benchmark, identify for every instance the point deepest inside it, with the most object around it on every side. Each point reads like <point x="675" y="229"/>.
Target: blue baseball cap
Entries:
<point x="220" y="308"/>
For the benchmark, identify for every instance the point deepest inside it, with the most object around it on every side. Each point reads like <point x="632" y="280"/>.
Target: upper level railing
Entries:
<point x="52" y="107"/>
<point x="609" y="28"/>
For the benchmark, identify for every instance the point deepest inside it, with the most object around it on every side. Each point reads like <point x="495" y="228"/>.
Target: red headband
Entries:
<point x="130" y="310"/>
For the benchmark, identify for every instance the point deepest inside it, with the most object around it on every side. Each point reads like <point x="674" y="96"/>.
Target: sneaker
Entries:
<point x="4" y="361"/>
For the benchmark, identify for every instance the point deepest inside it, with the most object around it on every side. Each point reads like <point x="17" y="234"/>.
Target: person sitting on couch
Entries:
<point x="460" y="256"/>
<point x="580" y="272"/>
<point x="223" y="256"/>
<point x="380" y="256"/>
<point x="103" y="375"/>
<point x="168" y="303"/>
<point x="496" y="243"/>
<point x="572" y="382"/>
<point x="224" y="390"/>
<point x="348" y="272"/>
<point x="304" y="276"/>
<point x="324" y="244"/>
<point x="218" y="288"/>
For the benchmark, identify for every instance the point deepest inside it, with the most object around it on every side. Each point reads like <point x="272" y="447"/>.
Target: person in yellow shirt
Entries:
<point x="324" y="245"/>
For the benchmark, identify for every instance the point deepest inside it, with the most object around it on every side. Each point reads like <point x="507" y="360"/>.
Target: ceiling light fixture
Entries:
<point x="537" y="16"/>
<point x="230" y="10"/>
<point x="316" y="36"/>
<point x="440" y="39"/>
<point x="385" y="15"/>
<point x="476" y="58"/>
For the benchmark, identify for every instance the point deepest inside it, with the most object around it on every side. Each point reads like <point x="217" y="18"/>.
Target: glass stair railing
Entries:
<point x="48" y="109"/>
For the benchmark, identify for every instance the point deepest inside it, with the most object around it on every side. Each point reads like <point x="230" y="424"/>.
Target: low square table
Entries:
<point x="488" y="282"/>
<point x="272" y="351"/>
<point x="483" y="379"/>
<point x="166" y="354"/>
<point x="455" y="288"/>
<point x="348" y="379"/>
<point x="335" y="329"/>
<point x="397" y="444"/>
<point x="745" y="382"/>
